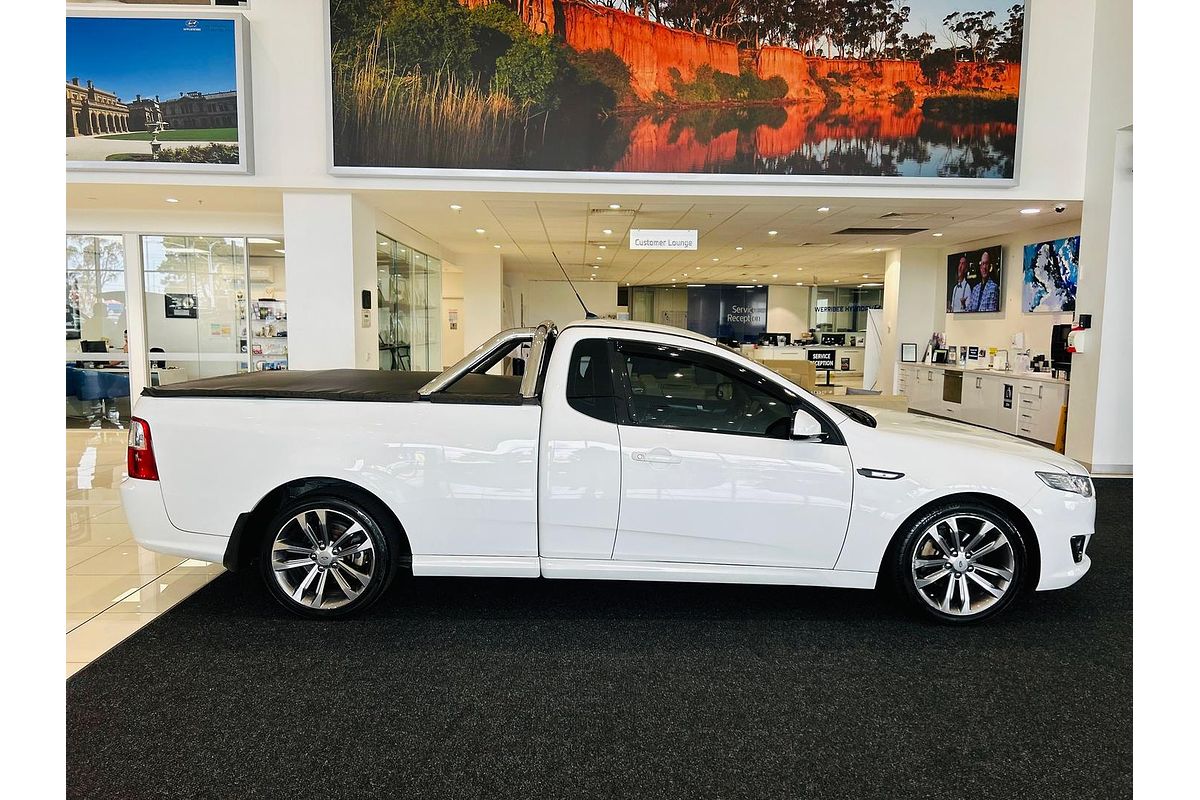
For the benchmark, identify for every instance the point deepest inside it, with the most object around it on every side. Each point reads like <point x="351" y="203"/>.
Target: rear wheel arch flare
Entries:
<point x="1000" y="505"/>
<point x="250" y="529"/>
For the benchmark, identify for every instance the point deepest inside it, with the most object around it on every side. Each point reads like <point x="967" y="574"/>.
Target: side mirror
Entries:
<point x="805" y="425"/>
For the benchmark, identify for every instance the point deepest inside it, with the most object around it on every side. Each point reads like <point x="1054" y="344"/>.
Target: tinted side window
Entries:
<point x="674" y="389"/>
<point x="590" y="380"/>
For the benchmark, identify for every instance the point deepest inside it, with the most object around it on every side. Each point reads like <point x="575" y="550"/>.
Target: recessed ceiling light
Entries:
<point x="455" y="207"/>
<point x="772" y="233"/>
<point x="877" y="250"/>
<point x="614" y="206"/>
<point x="599" y="258"/>
<point x="172" y="200"/>
<point x="798" y="283"/>
<point x="496" y="246"/>
<point x="264" y="240"/>
<point x="776" y="275"/>
<point x="280" y="252"/>
<point x="823" y="209"/>
<point x="595" y="266"/>
<point x="1031" y="211"/>
<point x="739" y="248"/>
<point x="799" y="269"/>
<point x="603" y="247"/>
<point x="939" y="234"/>
<point x="835" y="280"/>
<point x="716" y="259"/>
<point x="480" y="230"/>
<point x="608" y="231"/>
<point x="866" y="276"/>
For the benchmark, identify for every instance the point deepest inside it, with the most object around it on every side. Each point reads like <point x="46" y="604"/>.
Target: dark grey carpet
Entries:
<point x="511" y="688"/>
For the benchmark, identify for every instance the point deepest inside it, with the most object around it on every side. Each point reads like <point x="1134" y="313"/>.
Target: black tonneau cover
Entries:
<point x="356" y="385"/>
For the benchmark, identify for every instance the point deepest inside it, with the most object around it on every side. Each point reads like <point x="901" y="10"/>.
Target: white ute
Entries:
<point x="621" y="451"/>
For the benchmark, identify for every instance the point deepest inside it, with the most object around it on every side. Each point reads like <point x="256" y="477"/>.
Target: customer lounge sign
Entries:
<point x="663" y="239"/>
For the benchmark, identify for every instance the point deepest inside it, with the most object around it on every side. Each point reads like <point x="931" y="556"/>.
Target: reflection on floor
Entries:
<point x="114" y="587"/>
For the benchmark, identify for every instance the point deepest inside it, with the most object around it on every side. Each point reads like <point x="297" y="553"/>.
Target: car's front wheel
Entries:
<point x="325" y="556"/>
<point x="961" y="563"/>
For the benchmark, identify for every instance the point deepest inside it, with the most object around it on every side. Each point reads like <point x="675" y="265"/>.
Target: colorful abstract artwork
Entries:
<point x="1051" y="273"/>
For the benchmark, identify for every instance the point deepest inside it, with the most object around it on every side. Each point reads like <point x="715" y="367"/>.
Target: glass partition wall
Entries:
<point x="843" y="309"/>
<point x="409" y="303"/>
<point x="215" y="305"/>
<point x="97" y="350"/>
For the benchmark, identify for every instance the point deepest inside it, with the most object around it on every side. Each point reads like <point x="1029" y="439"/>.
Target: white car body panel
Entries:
<point x="543" y="490"/>
<point x="461" y="479"/>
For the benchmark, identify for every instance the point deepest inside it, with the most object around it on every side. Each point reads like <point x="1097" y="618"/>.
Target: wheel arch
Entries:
<point x="1002" y="506"/>
<point x="248" y="530"/>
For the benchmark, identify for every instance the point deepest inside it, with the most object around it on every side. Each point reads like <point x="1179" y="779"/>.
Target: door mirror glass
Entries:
<point x="805" y="425"/>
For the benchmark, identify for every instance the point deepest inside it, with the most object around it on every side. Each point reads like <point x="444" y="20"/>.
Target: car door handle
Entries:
<point x="658" y="455"/>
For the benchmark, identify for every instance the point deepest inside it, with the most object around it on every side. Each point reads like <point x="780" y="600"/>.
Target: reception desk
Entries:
<point x="856" y="355"/>
<point x="1026" y="404"/>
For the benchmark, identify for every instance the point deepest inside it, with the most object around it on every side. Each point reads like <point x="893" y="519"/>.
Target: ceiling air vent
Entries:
<point x="905" y="216"/>
<point x="878" y="231"/>
<point x="612" y="212"/>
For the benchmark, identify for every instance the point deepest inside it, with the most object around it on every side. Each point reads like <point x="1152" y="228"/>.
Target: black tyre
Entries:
<point x="960" y="563"/>
<point x="325" y="556"/>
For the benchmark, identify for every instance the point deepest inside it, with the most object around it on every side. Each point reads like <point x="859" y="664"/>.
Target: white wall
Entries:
<point x="912" y="281"/>
<point x="538" y="300"/>
<point x="453" y="348"/>
<point x="995" y="329"/>
<point x="289" y="74"/>
<point x="788" y="309"/>
<point x="1099" y="424"/>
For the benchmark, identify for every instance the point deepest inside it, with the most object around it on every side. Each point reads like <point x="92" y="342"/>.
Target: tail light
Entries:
<point x="141" y="451"/>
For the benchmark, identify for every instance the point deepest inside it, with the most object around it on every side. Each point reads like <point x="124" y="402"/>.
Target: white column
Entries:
<point x="913" y="305"/>
<point x="330" y="258"/>
<point x="482" y="283"/>
<point x="1100" y="415"/>
<point x="135" y="317"/>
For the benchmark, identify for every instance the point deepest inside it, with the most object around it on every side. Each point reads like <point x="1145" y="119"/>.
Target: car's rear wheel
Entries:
<point x="961" y="563"/>
<point x="326" y="556"/>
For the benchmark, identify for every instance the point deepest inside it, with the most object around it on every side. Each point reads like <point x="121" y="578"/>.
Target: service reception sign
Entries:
<point x="663" y="240"/>
<point x="822" y="359"/>
<point x="728" y="312"/>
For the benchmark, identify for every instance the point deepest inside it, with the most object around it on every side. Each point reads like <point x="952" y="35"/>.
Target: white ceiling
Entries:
<point x="531" y="229"/>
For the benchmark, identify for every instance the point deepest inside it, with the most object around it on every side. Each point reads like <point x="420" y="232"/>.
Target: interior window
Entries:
<point x="672" y="388"/>
<point x="590" y="380"/>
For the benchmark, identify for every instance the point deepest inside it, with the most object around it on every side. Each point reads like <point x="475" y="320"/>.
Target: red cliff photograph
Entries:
<point x="925" y="89"/>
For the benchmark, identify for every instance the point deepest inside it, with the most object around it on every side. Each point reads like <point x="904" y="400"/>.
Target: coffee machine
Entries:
<point x="1060" y="356"/>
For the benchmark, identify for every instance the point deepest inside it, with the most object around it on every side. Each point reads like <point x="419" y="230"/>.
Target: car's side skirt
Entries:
<point x="703" y="573"/>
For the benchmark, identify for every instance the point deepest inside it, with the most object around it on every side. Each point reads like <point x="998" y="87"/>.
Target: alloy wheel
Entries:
<point x="963" y="565"/>
<point x="323" y="558"/>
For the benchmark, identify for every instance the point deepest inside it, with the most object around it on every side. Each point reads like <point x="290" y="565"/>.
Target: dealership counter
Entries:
<point x="800" y="352"/>
<point x="1026" y="404"/>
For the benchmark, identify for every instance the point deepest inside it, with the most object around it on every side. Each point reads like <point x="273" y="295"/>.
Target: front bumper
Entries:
<point x="152" y="528"/>
<point x="1056" y="517"/>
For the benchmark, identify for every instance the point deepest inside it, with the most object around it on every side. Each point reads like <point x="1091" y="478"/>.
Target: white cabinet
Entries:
<point x="978" y="406"/>
<point x="1031" y="408"/>
<point x="1038" y="407"/>
<point x="926" y="392"/>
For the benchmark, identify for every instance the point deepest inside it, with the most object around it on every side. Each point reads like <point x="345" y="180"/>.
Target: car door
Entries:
<point x="709" y="473"/>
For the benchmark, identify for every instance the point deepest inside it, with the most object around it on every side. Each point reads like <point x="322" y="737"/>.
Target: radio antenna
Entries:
<point x="586" y="314"/>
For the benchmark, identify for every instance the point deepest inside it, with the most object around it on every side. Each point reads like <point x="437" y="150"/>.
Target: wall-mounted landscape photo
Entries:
<point x="864" y="88"/>
<point x="152" y="91"/>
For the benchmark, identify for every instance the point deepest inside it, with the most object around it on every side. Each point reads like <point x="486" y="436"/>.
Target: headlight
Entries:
<point x="1076" y="484"/>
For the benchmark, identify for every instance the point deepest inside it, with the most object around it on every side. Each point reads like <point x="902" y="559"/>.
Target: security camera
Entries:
<point x="1060" y="208"/>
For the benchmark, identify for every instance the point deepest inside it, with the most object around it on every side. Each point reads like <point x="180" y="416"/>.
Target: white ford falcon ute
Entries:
<point x="621" y="451"/>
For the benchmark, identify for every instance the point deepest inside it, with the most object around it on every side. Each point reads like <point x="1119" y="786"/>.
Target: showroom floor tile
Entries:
<point x="114" y="587"/>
